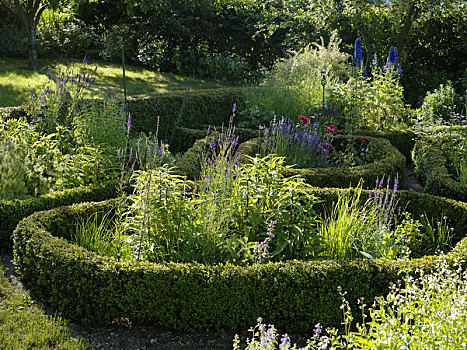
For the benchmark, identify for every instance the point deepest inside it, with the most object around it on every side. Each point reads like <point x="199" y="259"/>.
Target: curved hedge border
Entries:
<point x="431" y="169"/>
<point x="293" y="295"/>
<point x="403" y="140"/>
<point x="11" y="212"/>
<point x="391" y="163"/>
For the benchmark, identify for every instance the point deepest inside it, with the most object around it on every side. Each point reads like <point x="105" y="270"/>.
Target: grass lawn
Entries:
<point x="15" y="77"/>
<point x="23" y="325"/>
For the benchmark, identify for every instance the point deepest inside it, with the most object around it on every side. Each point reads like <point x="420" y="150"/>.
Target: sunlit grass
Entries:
<point x="15" y="77"/>
<point x="23" y="325"/>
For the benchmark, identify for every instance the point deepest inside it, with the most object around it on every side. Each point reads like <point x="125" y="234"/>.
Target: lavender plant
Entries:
<point x="300" y="145"/>
<point x="57" y="101"/>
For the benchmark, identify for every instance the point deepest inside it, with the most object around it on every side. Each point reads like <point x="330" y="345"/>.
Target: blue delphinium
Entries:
<point x="393" y="57"/>
<point x="399" y="69"/>
<point x="358" y="52"/>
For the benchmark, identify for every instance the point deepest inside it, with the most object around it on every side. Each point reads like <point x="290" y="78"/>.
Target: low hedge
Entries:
<point x="431" y="168"/>
<point x="292" y="295"/>
<point x="12" y="211"/>
<point x="190" y="109"/>
<point x="403" y="140"/>
<point x="391" y="163"/>
<point x="184" y="138"/>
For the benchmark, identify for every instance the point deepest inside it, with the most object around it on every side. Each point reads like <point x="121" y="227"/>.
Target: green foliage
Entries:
<point x="437" y="157"/>
<point x="28" y="160"/>
<point x="85" y="286"/>
<point x="96" y="235"/>
<point x="66" y="36"/>
<point x="12" y="211"/>
<point x="439" y="106"/>
<point x="375" y="103"/>
<point x="294" y="85"/>
<point x="225" y="217"/>
<point x="427" y="311"/>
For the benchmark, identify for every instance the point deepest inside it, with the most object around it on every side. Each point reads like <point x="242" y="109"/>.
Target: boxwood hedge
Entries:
<point x="12" y="211"/>
<point x="294" y="295"/>
<point x="403" y="140"/>
<point x="431" y="168"/>
<point x="391" y="163"/>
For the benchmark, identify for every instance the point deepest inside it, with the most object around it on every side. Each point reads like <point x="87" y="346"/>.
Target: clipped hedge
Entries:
<point x="292" y="295"/>
<point x="403" y="140"/>
<point x="431" y="168"/>
<point x="391" y="163"/>
<point x="11" y="212"/>
<point x="189" y="109"/>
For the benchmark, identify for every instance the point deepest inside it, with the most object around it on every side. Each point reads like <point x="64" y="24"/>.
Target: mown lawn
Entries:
<point x="24" y="325"/>
<point x="15" y="77"/>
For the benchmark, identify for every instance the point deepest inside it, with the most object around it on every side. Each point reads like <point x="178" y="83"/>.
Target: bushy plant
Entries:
<point x="62" y="34"/>
<point x="439" y="106"/>
<point x="375" y="102"/>
<point x="294" y="85"/>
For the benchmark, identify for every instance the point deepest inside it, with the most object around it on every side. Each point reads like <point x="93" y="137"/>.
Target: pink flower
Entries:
<point x="363" y="138"/>
<point x="331" y="128"/>
<point x="303" y="119"/>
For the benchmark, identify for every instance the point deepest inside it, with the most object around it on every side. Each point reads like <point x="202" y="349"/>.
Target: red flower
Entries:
<point x="363" y="138"/>
<point x="303" y="119"/>
<point x="331" y="128"/>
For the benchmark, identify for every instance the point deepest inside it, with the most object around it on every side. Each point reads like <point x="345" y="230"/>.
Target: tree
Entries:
<point x="29" y="13"/>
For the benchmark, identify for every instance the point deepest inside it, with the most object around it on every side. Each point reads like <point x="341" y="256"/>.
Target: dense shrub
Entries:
<point x="297" y="295"/>
<point x="439" y="105"/>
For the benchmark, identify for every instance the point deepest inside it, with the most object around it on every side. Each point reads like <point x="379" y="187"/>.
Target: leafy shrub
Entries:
<point x="115" y="38"/>
<point x="375" y="102"/>
<point x="71" y="37"/>
<point x="294" y="85"/>
<point x="438" y="105"/>
<point x="225" y="217"/>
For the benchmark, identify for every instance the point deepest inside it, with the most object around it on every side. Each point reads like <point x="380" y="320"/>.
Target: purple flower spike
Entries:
<point x="128" y="124"/>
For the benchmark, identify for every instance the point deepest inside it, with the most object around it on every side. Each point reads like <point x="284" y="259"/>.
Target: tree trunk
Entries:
<point x="411" y="15"/>
<point x="32" y="48"/>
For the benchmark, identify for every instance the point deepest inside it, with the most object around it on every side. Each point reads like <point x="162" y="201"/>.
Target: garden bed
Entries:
<point x="93" y="289"/>
<point x="390" y="163"/>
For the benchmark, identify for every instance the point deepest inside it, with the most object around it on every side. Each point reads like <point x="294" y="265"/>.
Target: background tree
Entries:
<point x="29" y="13"/>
